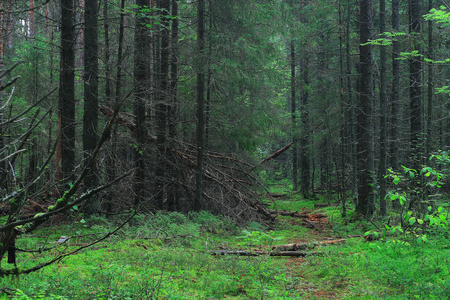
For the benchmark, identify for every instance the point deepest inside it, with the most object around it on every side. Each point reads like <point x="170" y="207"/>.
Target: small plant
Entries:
<point x="414" y="191"/>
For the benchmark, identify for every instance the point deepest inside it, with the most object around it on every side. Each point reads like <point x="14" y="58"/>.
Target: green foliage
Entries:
<point x="440" y="16"/>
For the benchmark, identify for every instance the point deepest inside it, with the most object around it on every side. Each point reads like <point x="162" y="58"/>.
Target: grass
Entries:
<point x="165" y="256"/>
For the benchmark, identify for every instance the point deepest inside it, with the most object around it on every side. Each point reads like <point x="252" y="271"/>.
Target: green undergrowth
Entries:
<point x="167" y="256"/>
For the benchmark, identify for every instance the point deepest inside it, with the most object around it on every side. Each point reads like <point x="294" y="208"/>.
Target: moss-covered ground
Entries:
<point x="167" y="256"/>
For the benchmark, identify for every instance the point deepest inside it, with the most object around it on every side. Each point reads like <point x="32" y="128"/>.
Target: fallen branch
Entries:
<point x="313" y="226"/>
<point x="296" y="214"/>
<point x="258" y="253"/>
<point x="302" y="246"/>
<point x="273" y="155"/>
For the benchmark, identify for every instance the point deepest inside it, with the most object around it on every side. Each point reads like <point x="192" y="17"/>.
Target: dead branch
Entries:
<point x="275" y="154"/>
<point x="258" y="253"/>
<point x="303" y="246"/>
<point x="295" y="214"/>
<point x="122" y="120"/>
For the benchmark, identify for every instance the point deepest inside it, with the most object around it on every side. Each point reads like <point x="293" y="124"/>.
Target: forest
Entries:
<point x="209" y="149"/>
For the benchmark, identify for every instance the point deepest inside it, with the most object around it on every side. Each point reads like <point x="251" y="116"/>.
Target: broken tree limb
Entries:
<point x="257" y="253"/>
<point x="313" y="226"/>
<point x="302" y="246"/>
<point x="273" y="155"/>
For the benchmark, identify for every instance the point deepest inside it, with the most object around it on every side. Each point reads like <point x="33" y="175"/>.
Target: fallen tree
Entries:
<point x="302" y="246"/>
<point x="270" y="253"/>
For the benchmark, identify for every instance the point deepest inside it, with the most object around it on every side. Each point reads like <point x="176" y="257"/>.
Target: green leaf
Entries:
<point x="440" y="209"/>
<point x="412" y="220"/>
<point x="420" y="221"/>
<point x="396" y="180"/>
<point x="75" y="207"/>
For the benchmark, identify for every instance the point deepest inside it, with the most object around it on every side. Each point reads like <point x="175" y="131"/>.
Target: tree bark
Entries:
<point x="364" y="108"/>
<point x="383" y="108"/>
<point x="90" y="118"/>
<point x="429" y="139"/>
<point x="395" y="93"/>
<point x="200" y="103"/>
<point x="141" y="83"/>
<point x="415" y="87"/>
<point x="67" y="90"/>
<point x="163" y="105"/>
<point x="295" y="129"/>
<point x="304" y="139"/>
<point x="174" y="188"/>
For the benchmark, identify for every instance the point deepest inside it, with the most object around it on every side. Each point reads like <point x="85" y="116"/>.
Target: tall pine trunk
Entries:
<point x="294" y="124"/>
<point x="200" y="103"/>
<point x="90" y="118"/>
<point x="395" y="93"/>
<point x="174" y="190"/>
<point x="304" y="139"/>
<point x="364" y="109"/>
<point x="383" y="108"/>
<point x="415" y="87"/>
<point x="141" y="83"/>
<point x="67" y="91"/>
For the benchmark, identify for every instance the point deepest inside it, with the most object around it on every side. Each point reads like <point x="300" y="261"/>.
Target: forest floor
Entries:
<point x="199" y="256"/>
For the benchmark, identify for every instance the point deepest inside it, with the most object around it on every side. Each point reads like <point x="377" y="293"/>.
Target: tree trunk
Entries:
<point x="200" y="103"/>
<point x="32" y="20"/>
<point x="342" y="132"/>
<point x="352" y="111"/>
<point x="304" y="139"/>
<point x="395" y="94"/>
<point x="415" y="88"/>
<point x="429" y="139"/>
<point x="162" y="106"/>
<point x="294" y="124"/>
<point x="67" y="90"/>
<point x="90" y="119"/>
<point x="383" y="108"/>
<point x="174" y="190"/>
<point x="364" y="108"/>
<point x="141" y="83"/>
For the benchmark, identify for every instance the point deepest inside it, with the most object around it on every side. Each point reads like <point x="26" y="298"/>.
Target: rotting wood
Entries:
<point x="297" y="214"/>
<point x="258" y="253"/>
<point x="313" y="226"/>
<point x="302" y="246"/>
<point x="322" y="204"/>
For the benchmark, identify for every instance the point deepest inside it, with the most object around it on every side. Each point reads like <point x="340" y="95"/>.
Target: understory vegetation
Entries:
<point x="170" y="256"/>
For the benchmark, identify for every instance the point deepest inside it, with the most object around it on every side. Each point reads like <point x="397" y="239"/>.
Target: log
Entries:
<point x="313" y="226"/>
<point x="257" y="253"/>
<point x="278" y="195"/>
<point x="297" y="214"/>
<point x="302" y="246"/>
<point x="321" y="204"/>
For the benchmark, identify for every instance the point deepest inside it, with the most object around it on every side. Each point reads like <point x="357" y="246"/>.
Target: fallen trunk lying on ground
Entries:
<point x="302" y="246"/>
<point x="257" y="253"/>
<point x="282" y="250"/>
